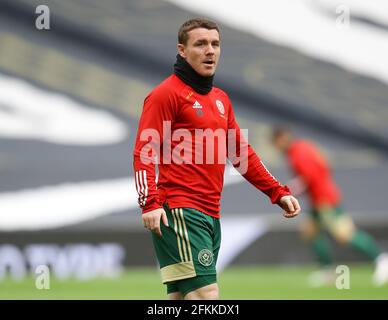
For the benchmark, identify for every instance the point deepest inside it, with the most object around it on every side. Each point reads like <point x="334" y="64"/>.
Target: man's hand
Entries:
<point x="151" y="220"/>
<point x="290" y="206"/>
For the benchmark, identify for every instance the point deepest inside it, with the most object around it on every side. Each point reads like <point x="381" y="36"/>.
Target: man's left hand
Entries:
<point x="290" y="205"/>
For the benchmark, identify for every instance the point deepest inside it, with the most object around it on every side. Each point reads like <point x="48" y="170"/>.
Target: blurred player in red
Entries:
<point x="313" y="175"/>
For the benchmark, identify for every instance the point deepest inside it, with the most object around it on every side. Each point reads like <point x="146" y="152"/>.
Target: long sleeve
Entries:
<point x="248" y="163"/>
<point x="159" y="108"/>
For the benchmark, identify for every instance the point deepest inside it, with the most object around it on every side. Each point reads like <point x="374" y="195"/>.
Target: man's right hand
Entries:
<point x="290" y="206"/>
<point x="151" y="220"/>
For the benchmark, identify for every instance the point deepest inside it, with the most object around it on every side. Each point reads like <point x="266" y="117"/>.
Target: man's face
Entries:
<point x="282" y="141"/>
<point x="202" y="50"/>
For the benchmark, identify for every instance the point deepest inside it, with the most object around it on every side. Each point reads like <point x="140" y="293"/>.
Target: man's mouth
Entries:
<point x="209" y="62"/>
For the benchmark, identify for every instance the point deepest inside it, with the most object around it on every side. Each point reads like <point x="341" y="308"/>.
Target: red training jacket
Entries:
<point x="173" y="113"/>
<point x="311" y="166"/>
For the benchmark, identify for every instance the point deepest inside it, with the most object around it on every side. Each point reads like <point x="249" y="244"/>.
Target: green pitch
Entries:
<point x="274" y="282"/>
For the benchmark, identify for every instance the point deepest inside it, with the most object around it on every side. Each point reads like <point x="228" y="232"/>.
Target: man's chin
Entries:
<point x="207" y="73"/>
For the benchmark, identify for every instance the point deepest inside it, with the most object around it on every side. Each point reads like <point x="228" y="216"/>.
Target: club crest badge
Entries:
<point x="205" y="257"/>
<point x="220" y="106"/>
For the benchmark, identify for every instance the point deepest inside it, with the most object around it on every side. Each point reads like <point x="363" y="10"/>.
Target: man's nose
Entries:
<point x="209" y="50"/>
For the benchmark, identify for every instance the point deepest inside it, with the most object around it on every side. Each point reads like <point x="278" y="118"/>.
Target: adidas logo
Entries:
<point x="196" y="105"/>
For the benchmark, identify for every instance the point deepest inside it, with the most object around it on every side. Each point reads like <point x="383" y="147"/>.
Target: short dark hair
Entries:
<point x="194" y="24"/>
<point x="280" y="130"/>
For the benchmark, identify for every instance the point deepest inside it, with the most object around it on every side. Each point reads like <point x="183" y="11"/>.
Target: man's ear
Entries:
<point x="181" y="50"/>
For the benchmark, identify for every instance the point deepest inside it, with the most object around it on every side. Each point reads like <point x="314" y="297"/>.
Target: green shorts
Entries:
<point x="331" y="219"/>
<point x="188" y="249"/>
<point x="329" y="214"/>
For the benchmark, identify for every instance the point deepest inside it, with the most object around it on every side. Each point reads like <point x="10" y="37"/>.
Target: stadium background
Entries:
<point x="71" y="96"/>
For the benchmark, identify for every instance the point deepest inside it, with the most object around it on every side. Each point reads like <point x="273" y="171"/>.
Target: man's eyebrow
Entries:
<point x="205" y="40"/>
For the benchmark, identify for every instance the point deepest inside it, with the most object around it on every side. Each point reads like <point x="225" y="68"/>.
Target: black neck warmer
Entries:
<point x="188" y="75"/>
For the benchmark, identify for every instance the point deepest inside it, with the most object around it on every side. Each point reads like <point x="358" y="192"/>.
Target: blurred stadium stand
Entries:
<point x="107" y="55"/>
